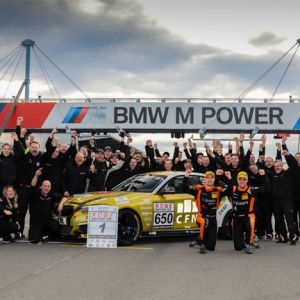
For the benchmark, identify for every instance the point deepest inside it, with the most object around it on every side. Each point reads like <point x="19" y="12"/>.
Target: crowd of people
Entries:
<point x="39" y="181"/>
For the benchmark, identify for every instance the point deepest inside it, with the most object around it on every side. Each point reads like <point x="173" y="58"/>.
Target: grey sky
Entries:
<point x="141" y="48"/>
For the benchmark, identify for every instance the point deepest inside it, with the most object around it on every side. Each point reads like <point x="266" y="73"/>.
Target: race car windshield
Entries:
<point x="144" y="184"/>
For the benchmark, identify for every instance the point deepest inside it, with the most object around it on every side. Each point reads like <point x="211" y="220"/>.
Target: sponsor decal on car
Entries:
<point x="152" y="233"/>
<point x="147" y="201"/>
<point x="222" y="209"/>
<point x="146" y="208"/>
<point x="146" y="213"/>
<point x="186" y="212"/>
<point x="121" y="200"/>
<point x="80" y="198"/>
<point x="163" y="215"/>
<point x="81" y="219"/>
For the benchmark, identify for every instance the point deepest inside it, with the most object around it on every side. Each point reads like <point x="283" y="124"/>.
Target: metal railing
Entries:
<point x="159" y="100"/>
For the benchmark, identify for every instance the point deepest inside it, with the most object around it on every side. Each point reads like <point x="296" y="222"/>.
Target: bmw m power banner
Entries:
<point x="157" y="116"/>
<point x="102" y="226"/>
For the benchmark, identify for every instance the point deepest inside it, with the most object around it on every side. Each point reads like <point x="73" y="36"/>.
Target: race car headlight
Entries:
<point x="83" y="209"/>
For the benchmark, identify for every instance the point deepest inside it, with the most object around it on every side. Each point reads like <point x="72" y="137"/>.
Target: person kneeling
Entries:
<point x="42" y="224"/>
<point x="207" y="200"/>
<point x="242" y="200"/>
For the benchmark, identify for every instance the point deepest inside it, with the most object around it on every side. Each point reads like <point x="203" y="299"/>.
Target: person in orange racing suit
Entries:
<point x="207" y="199"/>
<point x="242" y="199"/>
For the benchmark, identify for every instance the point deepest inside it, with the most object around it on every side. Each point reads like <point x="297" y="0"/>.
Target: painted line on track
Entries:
<point x="136" y="248"/>
<point x="66" y="244"/>
<point x="118" y="248"/>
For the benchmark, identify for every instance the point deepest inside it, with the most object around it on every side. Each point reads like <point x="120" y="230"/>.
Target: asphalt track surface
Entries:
<point x="155" y="268"/>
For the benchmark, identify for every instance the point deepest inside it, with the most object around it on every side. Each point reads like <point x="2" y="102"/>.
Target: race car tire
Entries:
<point x="225" y="231"/>
<point x="129" y="227"/>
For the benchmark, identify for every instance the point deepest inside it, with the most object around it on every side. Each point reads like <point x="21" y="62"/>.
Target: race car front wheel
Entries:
<point x="129" y="227"/>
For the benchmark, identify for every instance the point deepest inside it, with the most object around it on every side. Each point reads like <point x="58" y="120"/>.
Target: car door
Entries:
<point x="175" y="210"/>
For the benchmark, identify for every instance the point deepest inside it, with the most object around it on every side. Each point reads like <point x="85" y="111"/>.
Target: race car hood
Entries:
<point x="105" y="198"/>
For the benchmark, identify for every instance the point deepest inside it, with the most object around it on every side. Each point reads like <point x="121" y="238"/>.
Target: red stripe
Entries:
<point x="81" y="115"/>
<point x="4" y="112"/>
<point x="34" y="114"/>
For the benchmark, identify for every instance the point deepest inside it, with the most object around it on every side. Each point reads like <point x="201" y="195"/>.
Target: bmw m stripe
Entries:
<point x="75" y="114"/>
<point x="297" y="125"/>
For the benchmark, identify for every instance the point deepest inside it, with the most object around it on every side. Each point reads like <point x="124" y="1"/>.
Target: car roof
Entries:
<point x="171" y="173"/>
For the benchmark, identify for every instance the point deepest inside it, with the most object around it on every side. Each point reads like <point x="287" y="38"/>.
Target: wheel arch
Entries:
<point x="134" y="211"/>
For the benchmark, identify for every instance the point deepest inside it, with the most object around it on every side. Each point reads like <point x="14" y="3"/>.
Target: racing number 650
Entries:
<point x="163" y="218"/>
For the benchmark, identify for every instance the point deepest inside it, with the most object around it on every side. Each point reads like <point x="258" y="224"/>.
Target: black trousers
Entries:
<point x="37" y="230"/>
<point x="263" y="213"/>
<point x="283" y="209"/>
<point x="24" y="196"/>
<point x="208" y="232"/>
<point x="296" y="212"/>
<point x="243" y="231"/>
<point x="7" y="227"/>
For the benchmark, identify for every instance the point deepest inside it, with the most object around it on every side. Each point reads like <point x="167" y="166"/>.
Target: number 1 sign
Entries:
<point x="102" y="226"/>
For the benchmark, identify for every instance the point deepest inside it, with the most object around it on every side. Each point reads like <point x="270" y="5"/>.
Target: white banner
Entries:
<point x="220" y="117"/>
<point x="157" y="117"/>
<point x="102" y="226"/>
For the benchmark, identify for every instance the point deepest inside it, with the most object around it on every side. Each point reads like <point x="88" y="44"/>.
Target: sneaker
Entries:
<point x="293" y="240"/>
<point x="19" y="236"/>
<point x="193" y="243"/>
<point x="277" y="236"/>
<point x="249" y="249"/>
<point x="35" y="242"/>
<point x="269" y="236"/>
<point x="255" y="241"/>
<point x="6" y="241"/>
<point x="282" y="239"/>
<point x="256" y="244"/>
<point x="260" y="236"/>
<point x="45" y="239"/>
<point x="202" y="249"/>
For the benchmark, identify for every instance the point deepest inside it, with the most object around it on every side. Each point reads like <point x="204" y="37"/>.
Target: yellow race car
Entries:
<point x="151" y="204"/>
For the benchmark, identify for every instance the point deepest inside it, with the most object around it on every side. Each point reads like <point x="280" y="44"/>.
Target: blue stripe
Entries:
<point x="2" y="105"/>
<point x="69" y="115"/>
<point x="297" y="125"/>
<point x="75" y="114"/>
